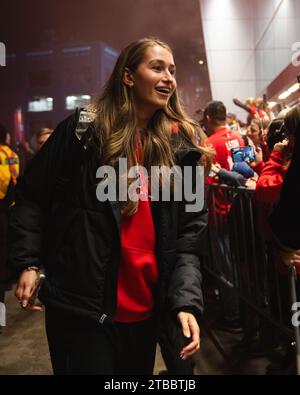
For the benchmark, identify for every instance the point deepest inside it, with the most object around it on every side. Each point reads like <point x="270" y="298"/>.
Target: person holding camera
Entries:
<point x="116" y="269"/>
<point x="271" y="178"/>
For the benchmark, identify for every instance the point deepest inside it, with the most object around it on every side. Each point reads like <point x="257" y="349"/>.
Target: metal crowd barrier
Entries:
<point x="252" y="275"/>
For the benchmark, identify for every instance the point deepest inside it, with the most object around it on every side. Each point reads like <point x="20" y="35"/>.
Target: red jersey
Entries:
<point x="223" y="140"/>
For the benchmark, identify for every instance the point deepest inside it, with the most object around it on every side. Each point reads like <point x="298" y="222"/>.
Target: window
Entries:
<point x="75" y="101"/>
<point x="40" y="104"/>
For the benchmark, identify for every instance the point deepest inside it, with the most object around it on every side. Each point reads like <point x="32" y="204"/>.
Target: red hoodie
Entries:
<point x="270" y="181"/>
<point x="138" y="272"/>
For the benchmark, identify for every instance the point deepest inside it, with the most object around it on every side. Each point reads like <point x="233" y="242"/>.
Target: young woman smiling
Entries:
<point x="115" y="269"/>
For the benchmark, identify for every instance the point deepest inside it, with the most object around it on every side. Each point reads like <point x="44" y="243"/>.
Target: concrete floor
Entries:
<point x="24" y="349"/>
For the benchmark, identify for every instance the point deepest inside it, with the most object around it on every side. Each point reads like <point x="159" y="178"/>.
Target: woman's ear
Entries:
<point x="128" y="78"/>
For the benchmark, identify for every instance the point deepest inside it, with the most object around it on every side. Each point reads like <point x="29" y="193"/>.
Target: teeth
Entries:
<point x="164" y="90"/>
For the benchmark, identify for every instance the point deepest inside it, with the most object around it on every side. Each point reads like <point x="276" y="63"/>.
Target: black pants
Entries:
<point x="80" y="346"/>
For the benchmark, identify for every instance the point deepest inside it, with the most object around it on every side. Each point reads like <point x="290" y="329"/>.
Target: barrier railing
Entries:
<point x="242" y="261"/>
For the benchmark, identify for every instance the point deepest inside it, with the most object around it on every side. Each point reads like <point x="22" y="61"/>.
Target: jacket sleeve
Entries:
<point x="33" y="195"/>
<point x="270" y="180"/>
<point x="232" y="178"/>
<point x="185" y="290"/>
<point x="259" y="167"/>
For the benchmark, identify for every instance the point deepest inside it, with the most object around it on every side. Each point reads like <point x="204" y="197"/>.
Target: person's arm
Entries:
<point x="231" y="178"/>
<point x="185" y="292"/>
<point x="224" y="176"/>
<point x="34" y="191"/>
<point x="242" y="105"/>
<point x="258" y="164"/>
<point x="270" y="181"/>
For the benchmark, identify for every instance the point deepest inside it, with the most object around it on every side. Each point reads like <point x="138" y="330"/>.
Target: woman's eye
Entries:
<point x="157" y="68"/>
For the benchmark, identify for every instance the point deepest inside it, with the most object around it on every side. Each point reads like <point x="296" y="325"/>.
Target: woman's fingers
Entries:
<point x="28" y="291"/>
<point x="190" y="349"/>
<point x="19" y="292"/>
<point x="36" y="308"/>
<point x="291" y="257"/>
<point x="191" y="330"/>
<point x="25" y="287"/>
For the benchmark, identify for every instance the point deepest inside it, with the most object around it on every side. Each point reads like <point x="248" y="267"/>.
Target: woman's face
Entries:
<point x="154" y="80"/>
<point x="255" y="133"/>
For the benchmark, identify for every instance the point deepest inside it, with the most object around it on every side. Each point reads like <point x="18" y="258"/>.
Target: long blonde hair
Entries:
<point x="116" y="123"/>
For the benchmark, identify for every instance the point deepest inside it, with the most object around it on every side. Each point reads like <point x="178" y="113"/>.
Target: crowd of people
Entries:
<point x="122" y="271"/>
<point x="273" y="141"/>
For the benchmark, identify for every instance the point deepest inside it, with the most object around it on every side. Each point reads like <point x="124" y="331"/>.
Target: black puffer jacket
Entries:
<point x="57" y="222"/>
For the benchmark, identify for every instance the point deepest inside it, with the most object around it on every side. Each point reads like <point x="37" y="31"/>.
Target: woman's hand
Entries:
<point x="258" y="152"/>
<point x="281" y="145"/>
<point x="190" y="329"/>
<point x="290" y="258"/>
<point x="251" y="183"/>
<point x="215" y="168"/>
<point x="25" y="288"/>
